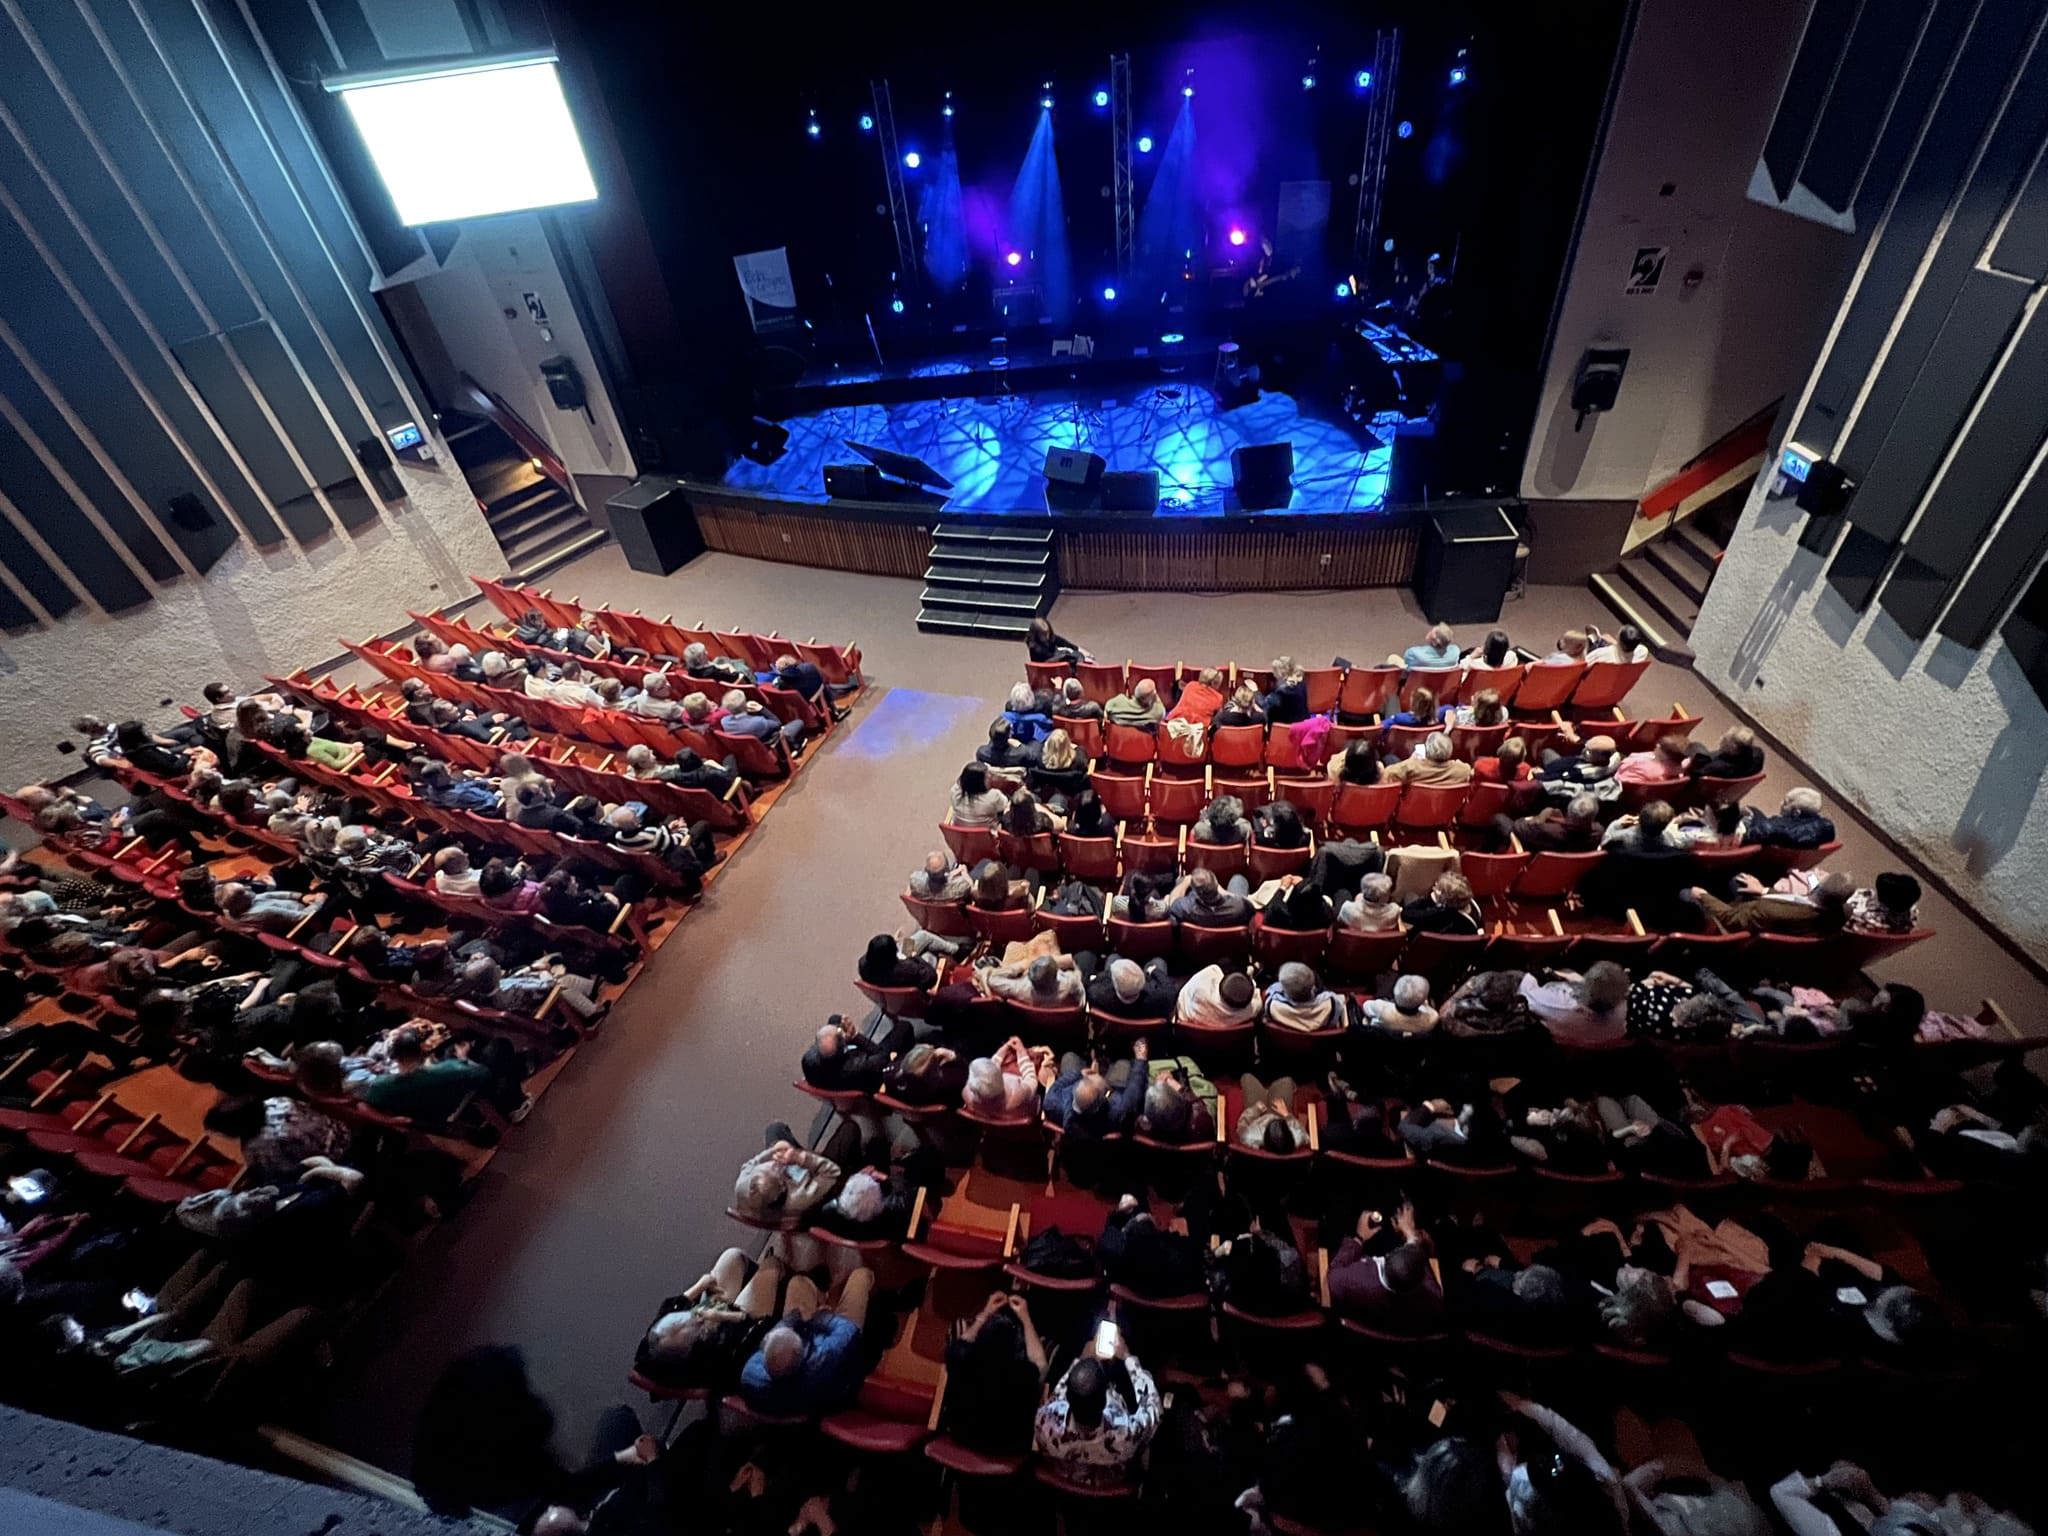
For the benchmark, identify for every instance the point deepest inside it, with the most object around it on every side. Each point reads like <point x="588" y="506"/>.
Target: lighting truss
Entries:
<point x="900" y="218"/>
<point x="1123" y="193"/>
<point x="1379" y="133"/>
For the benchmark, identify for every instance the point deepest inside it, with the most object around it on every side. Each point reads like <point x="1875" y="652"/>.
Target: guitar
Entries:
<point x="1259" y="282"/>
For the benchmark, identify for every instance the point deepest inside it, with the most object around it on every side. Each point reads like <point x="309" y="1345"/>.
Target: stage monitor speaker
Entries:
<point x="1130" y="490"/>
<point x="654" y="524"/>
<point x="765" y="441"/>
<point x="1073" y="466"/>
<point x="1465" y="564"/>
<point x="1263" y="475"/>
<point x="853" y="482"/>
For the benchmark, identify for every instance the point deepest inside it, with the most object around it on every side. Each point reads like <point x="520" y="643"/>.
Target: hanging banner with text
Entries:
<point x="765" y="280"/>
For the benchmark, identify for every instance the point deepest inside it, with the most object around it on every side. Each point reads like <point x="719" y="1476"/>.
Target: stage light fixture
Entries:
<point x="1045" y="102"/>
<point x="814" y="128"/>
<point x="1102" y="98"/>
<point x="946" y="110"/>
<point x="896" y="306"/>
<point x="867" y="123"/>
<point x="1405" y="129"/>
<point x="1308" y="82"/>
<point x="1172" y="339"/>
<point x="1144" y="143"/>
<point x="1363" y="79"/>
<point x="1187" y="90"/>
<point x="1343" y="290"/>
<point x="913" y="159"/>
<point x="1109" y="295"/>
<point x="1458" y="76"/>
<point x="1015" y="258"/>
<point x="501" y="130"/>
<point x="1237" y="237"/>
<point x="1387" y="245"/>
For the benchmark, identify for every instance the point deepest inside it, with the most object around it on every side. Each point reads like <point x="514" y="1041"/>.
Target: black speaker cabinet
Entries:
<point x="1073" y="466"/>
<point x="1131" y="490"/>
<point x="854" y="482"/>
<point x="1263" y="475"/>
<point x="765" y="441"/>
<point x="1465" y="564"/>
<point x="653" y="522"/>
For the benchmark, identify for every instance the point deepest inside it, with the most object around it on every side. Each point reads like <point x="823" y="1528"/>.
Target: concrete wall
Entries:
<point x="256" y="612"/>
<point x="476" y="305"/>
<point x="1943" y="747"/>
<point x="1698" y="87"/>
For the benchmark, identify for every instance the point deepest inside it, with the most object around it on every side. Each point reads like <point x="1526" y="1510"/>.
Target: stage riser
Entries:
<point x="1140" y="556"/>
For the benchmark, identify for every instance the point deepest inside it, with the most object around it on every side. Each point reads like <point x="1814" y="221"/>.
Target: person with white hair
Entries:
<point x="654" y="701"/>
<point x="749" y="717"/>
<point x="1438" y="766"/>
<point x="1373" y="909"/>
<point x="702" y="665"/>
<point x="1295" y="1002"/>
<point x="1805" y="1504"/>
<point x="1073" y="702"/>
<point x="841" y="1059"/>
<point x="697" y="1341"/>
<point x="942" y="878"/>
<point x="1798" y="824"/>
<point x="1124" y="989"/>
<point x="1437" y="649"/>
<point x="1823" y="909"/>
<point x="815" y="1359"/>
<point x="1005" y="1085"/>
<point x="452" y="874"/>
<point x="1405" y="1012"/>
<point x="784" y="1183"/>
<point x="1027" y="722"/>
<point x="641" y="763"/>
<point x="1045" y="981"/>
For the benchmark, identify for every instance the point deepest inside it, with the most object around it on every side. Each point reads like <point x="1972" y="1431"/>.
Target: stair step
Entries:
<point x="510" y="515"/>
<point x="543" y="530"/>
<point x="1664" y="595"/>
<point x="1630" y="608"/>
<point x="545" y="541"/>
<point x="1007" y="540"/>
<point x="561" y="554"/>
<point x="467" y="429"/>
<point x="524" y="500"/>
<point x="1011" y="559"/>
<point x="983" y="626"/>
<point x="1698" y="543"/>
<point x="955" y="573"/>
<point x="501" y="488"/>
<point x="1027" y="605"/>
<point x="1679" y="569"/>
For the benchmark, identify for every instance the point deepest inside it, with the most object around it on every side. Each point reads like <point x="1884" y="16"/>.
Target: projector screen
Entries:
<point x="475" y="142"/>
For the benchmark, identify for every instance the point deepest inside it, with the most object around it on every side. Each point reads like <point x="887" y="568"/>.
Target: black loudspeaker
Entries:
<point x="1130" y="490"/>
<point x="853" y="482"/>
<point x="190" y="513"/>
<point x="765" y="441"/>
<point x="376" y="461"/>
<point x="1073" y="466"/>
<point x="1263" y="475"/>
<point x="1465" y="564"/>
<point x="1826" y="490"/>
<point x="653" y="522"/>
<point x="565" y="384"/>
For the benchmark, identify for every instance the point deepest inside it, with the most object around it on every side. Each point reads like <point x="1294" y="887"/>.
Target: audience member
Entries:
<point x="974" y="801"/>
<point x="1798" y="824"/>
<point x="815" y="1359"/>
<point x="1437" y="767"/>
<point x="1448" y="909"/>
<point x="1436" y="649"/>
<point x="1101" y="1416"/>
<point x="1295" y="1002"/>
<point x="1139" y="707"/>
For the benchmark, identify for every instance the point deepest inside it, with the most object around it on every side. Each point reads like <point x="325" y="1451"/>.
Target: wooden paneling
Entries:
<point x="1221" y="558"/>
<point x="832" y="542"/>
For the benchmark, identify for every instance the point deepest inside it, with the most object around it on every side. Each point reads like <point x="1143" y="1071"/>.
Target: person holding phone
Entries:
<point x="1102" y="1415"/>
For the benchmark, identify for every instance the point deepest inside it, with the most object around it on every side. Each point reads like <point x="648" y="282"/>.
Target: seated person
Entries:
<point x="1088" y="817"/>
<point x="1665" y="764"/>
<point x="1823" y="910"/>
<point x="885" y="964"/>
<point x="1221" y="822"/>
<point x="565" y="899"/>
<point x="1241" y="708"/>
<point x="815" y="1359"/>
<point x="1525" y="1303"/>
<point x="1074" y="898"/>
<point x="694" y="772"/>
<point x="1267" y="1121"/>
<point x="1406" y="1012"/>
<point x="1798" y="824"/>
<point x="1143" y="897"/>
<point x="943" y="878"/>
<point x="1448" y="908"/>
<point x="1358" y="763"/>
<point x="1342" y="862"/>
<point x="1844" y="1498"/>
<point x="1027" y="818"/>
<point x="271" y="909"/>
<point x="1295" y="1002"/>
<point x="750" y="717"/>
<point x="1706" y="826"/>
<point x="699" y="663"/>
<point x="1099" y="1420"/>
<point x="1373" y="909"/>
<point x="1139" y="707"/>
<point x="1200" y="700"/>
<point x="800" y="677"/>
<point x="1571" y="649"/>
<point x="1590" y="771"/>
<point x="1079" y="1097"/>
<point x="1277" y="824"/>
<point x="528" y="989"/>
<point x="1124" y="989"/>
<point x="1381" y="1274"/>
<point x="1735" y="756"/>
<point x="926" y="1074"/>
<point x="1485" y="709"/>
<point x="1889" y="904"/>
<point x="995" y="1362"/>
<point x="1073" y="703"/>
<point x="1061" y="772"/>
<point x="1201" y="900"/>
<point x="1509" y="764"/>
<point x="714" y="1325"/>
<point x="1643" y="871"/>
<point x="1140" y="1252"/>
<point x="1573" y="829"/>
<point x="654" y="701"/>
<point x="996" y="890"/>
<point x="783" y="1183"/>
<point x="1627" y="645"/>
<point x="1043" y="643"/>
<point x="1004" y="1086"/>
<point x="1488" y="1005"/>
<point x="452" y="874"/>
<point x="1582" y="1010"/>
<point x="1022" y="715"/>
<point x="1003" y="755"/>
<point x="1422" y="709"/>
<point x="1437" y="767"/>
<point x="1287" y="704"/>
<point x="698" y="710"/>
<point x="1261" y="1271"/>
<point x="974" y="802"/>
<point x="1298" y="906"/>
<point x="1216" y="999"/>
<point x="1437" y="649"/>
<point x="419" y="1089"/>
<point x="1180" y="1103"/>
<point x="1046" y="981"/>
<point x="841" y="1059"/>
<point x="875" y="1201"/>
<point x="433" y="783"/>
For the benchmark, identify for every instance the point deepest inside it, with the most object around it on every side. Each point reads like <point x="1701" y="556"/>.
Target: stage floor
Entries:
<point x="994" y="449"/>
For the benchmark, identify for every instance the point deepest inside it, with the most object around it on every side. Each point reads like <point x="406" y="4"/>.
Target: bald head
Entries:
<point x="782" y="1353"/>
<point x="1128" y="978"/>
<point x="1146" y="691"/>
<point x="1600" y="748"/>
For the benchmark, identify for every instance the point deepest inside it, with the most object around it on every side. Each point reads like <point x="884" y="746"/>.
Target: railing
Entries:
<point x="1732" y="450"/>
<point x="491" y="405"/>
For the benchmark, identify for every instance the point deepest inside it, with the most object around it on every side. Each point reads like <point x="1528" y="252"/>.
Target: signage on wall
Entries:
<point x="1647" y="270"/>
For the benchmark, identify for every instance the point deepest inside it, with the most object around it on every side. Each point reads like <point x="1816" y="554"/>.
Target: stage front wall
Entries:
<point x="1299" y="553"/>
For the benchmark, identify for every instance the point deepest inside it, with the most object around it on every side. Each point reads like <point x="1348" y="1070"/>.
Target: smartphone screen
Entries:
<point x="1105" y="1340"/>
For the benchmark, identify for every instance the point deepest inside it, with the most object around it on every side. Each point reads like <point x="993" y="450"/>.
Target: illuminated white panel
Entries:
<point x="470" y="143"/>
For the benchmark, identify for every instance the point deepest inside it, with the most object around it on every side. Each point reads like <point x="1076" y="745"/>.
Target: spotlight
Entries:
<point x="896" y="306"/>
<point x="1405" y="129"/>
<point x="1237" y="237"/>
<point x="814" y="127"/>
<point x="913" y="159"/>
<point x="867" y="123"/>
<point x="1363" y="79"/>
<point x="946" y="110"/>
<point x="1308" y="82"/>
<point x="1102" y="98"/>
<point x="1015" y="258"/>
<point x="1343" y="290"/>
<point x="1187" y="90"/>
<point x="1172" y="339"/>
<point x="1387" y="245"/>
<point x="1109" y="295"/>
<point x="1458" y="76"/>
<point x="1144" y="143"/>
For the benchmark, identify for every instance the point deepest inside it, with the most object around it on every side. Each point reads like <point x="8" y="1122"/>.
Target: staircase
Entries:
<point x="1659" y="585"/>
<point x="536" y="523"/>
<point x="987" y="580"/>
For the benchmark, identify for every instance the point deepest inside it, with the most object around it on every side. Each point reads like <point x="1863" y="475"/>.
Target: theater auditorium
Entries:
<point x="1263" y="770"/>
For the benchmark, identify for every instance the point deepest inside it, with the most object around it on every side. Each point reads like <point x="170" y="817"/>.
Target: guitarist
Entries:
<point x="1263" y="276"/>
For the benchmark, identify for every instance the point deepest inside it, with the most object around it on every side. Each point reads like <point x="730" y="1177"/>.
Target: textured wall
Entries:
<point x="255" y="612"/>
<point x="1943" y="747"/>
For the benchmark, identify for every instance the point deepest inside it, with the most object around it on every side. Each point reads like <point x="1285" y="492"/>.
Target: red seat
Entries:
<point x="963" y="1461"/>
<point x="1435" y="954"/>
<point x="889" y="1417"/>
<point x="1007" y="925"/>
<point x="1364" y="690"/>
<point x="1046" y="676"/>
<point x="1088" y="858"/>
<point x="1178" y="802"/>
<point x="1271" y="863"/>
<point x="1472" y="742"/>
<point x="1077" y="931"/>
<point x="1165" y="677"/>
<point x="1363" y="807"/>
<point x="1138" y="941"/>
<point x="1556" y="874"/>
<point x="1088" y="734"/>
<point x="1150" y="853"/>
<point x="1362" y="956"/>
<point x="1486" y="800"/>
<point x="1430" y="807"/>
<point x="1491" y="874"/>
<point x="1787" y="859"/>
<point x="1238" y="746"/>
<point x="1504" y="681"/>
<point x="1645" y="734"/>
<point x="947" y="919"/>
<point x="1252" y="787"/>
<point x="1201" y="946"/>
<point x="1101" y="681"/>
<point x="1066" y="1021"/>
<point x="1191" y="1301"/>
<point x="1226" y="859"/>
<point x="1604" y="684"/>
<point x="1290" y="1322"/>
<point x="1122" y="794"/>
<point x="970" y="845"/>
<point x="1324" y="684"/>
<point x="1059" y="1482"/>
<point x="1174" y="757"/>
<point x="1711" y="791"/>
<point x="1546" y="686"/>
<point x="1442" y="682"/>
<point x="1313" y="797"/>
<point x="1040" y="851"/>
<point x="1860" y="950"/>
<point x="1399" y="741"/>
<point x="1128" y="746"/>
<point x="1274" y="947"/>
<point x="894" y="1002"/>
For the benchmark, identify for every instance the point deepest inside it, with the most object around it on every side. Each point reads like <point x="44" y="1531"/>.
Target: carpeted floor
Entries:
<point x="612" y="1194"/>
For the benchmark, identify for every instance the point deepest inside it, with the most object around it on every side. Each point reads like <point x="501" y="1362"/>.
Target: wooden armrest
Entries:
<point x="1998" y="1018"/>
<point x="383" y="775"/>
<point x="1556" y="922"/>
<point x="424" y="861"/>
<point x="1516" y="843"/>
<point x="56" y="1087"/>
<point x="1315" y="1135"/>
<point x="605" y="766"/>
<point x="931" y="1422"/>
<point x="549" y="1001"/>
<point x="620" y="921"/>
<point x="296" y="928"/>
<point x="1220" y="1137"/>
<point x="1635" y="924"/>
<point x="916" y="1214"/>
<point x="98" y="1104"/>
<point x="1323" y="1275"/>
<point x="497" y="736"/>
<point x="179" y="1161"/>
<point x="1010" y="1233"/>
<point x="17" y="1064"/>
<point x="130" y="846"/>
<point x="1443" y="841"/>
<point x="733" y="788"/>
<point x="1183" y="840"/>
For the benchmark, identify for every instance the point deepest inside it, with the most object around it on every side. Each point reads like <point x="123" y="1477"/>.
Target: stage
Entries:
<point x="992" y="447"/>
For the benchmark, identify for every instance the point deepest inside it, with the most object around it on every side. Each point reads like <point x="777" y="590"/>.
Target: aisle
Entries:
<point x="612" y="1195"/>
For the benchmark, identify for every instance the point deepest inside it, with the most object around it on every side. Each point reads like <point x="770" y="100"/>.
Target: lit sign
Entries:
<point x="407" y="435"/>
<point x="1795" y="462"/>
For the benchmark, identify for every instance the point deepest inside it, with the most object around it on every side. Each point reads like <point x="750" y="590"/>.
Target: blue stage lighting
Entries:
<point x="1109" y="295"/>
<point x="1187" y="90"/>
<point x="1308" y="82"/>
<point x="1045" y="102"/>
<point x="813" y="129"/>
<point x="946" y="110"/>
<point x="913" y="159"/>
<point x="1363" y="79"/>
<point x="867" y="123"/>
<point x="1343" y="290"/>
<point x="1458" y="75"/>
<point x="896" y="305"/>
<point x="1144" y="143"/>
<point x="1102" y="98"/>
<point x="1386" y="245"/>
<point x="1172" y="339"/>
<point x="1405" y="129"/>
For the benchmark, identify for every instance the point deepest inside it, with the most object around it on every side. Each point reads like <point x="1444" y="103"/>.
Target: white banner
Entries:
<point x="765" y="280"/>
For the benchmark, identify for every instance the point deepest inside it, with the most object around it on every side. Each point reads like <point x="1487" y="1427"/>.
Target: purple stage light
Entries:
<point x="1015" y="258"/>
<point x="1237" y="237"/>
